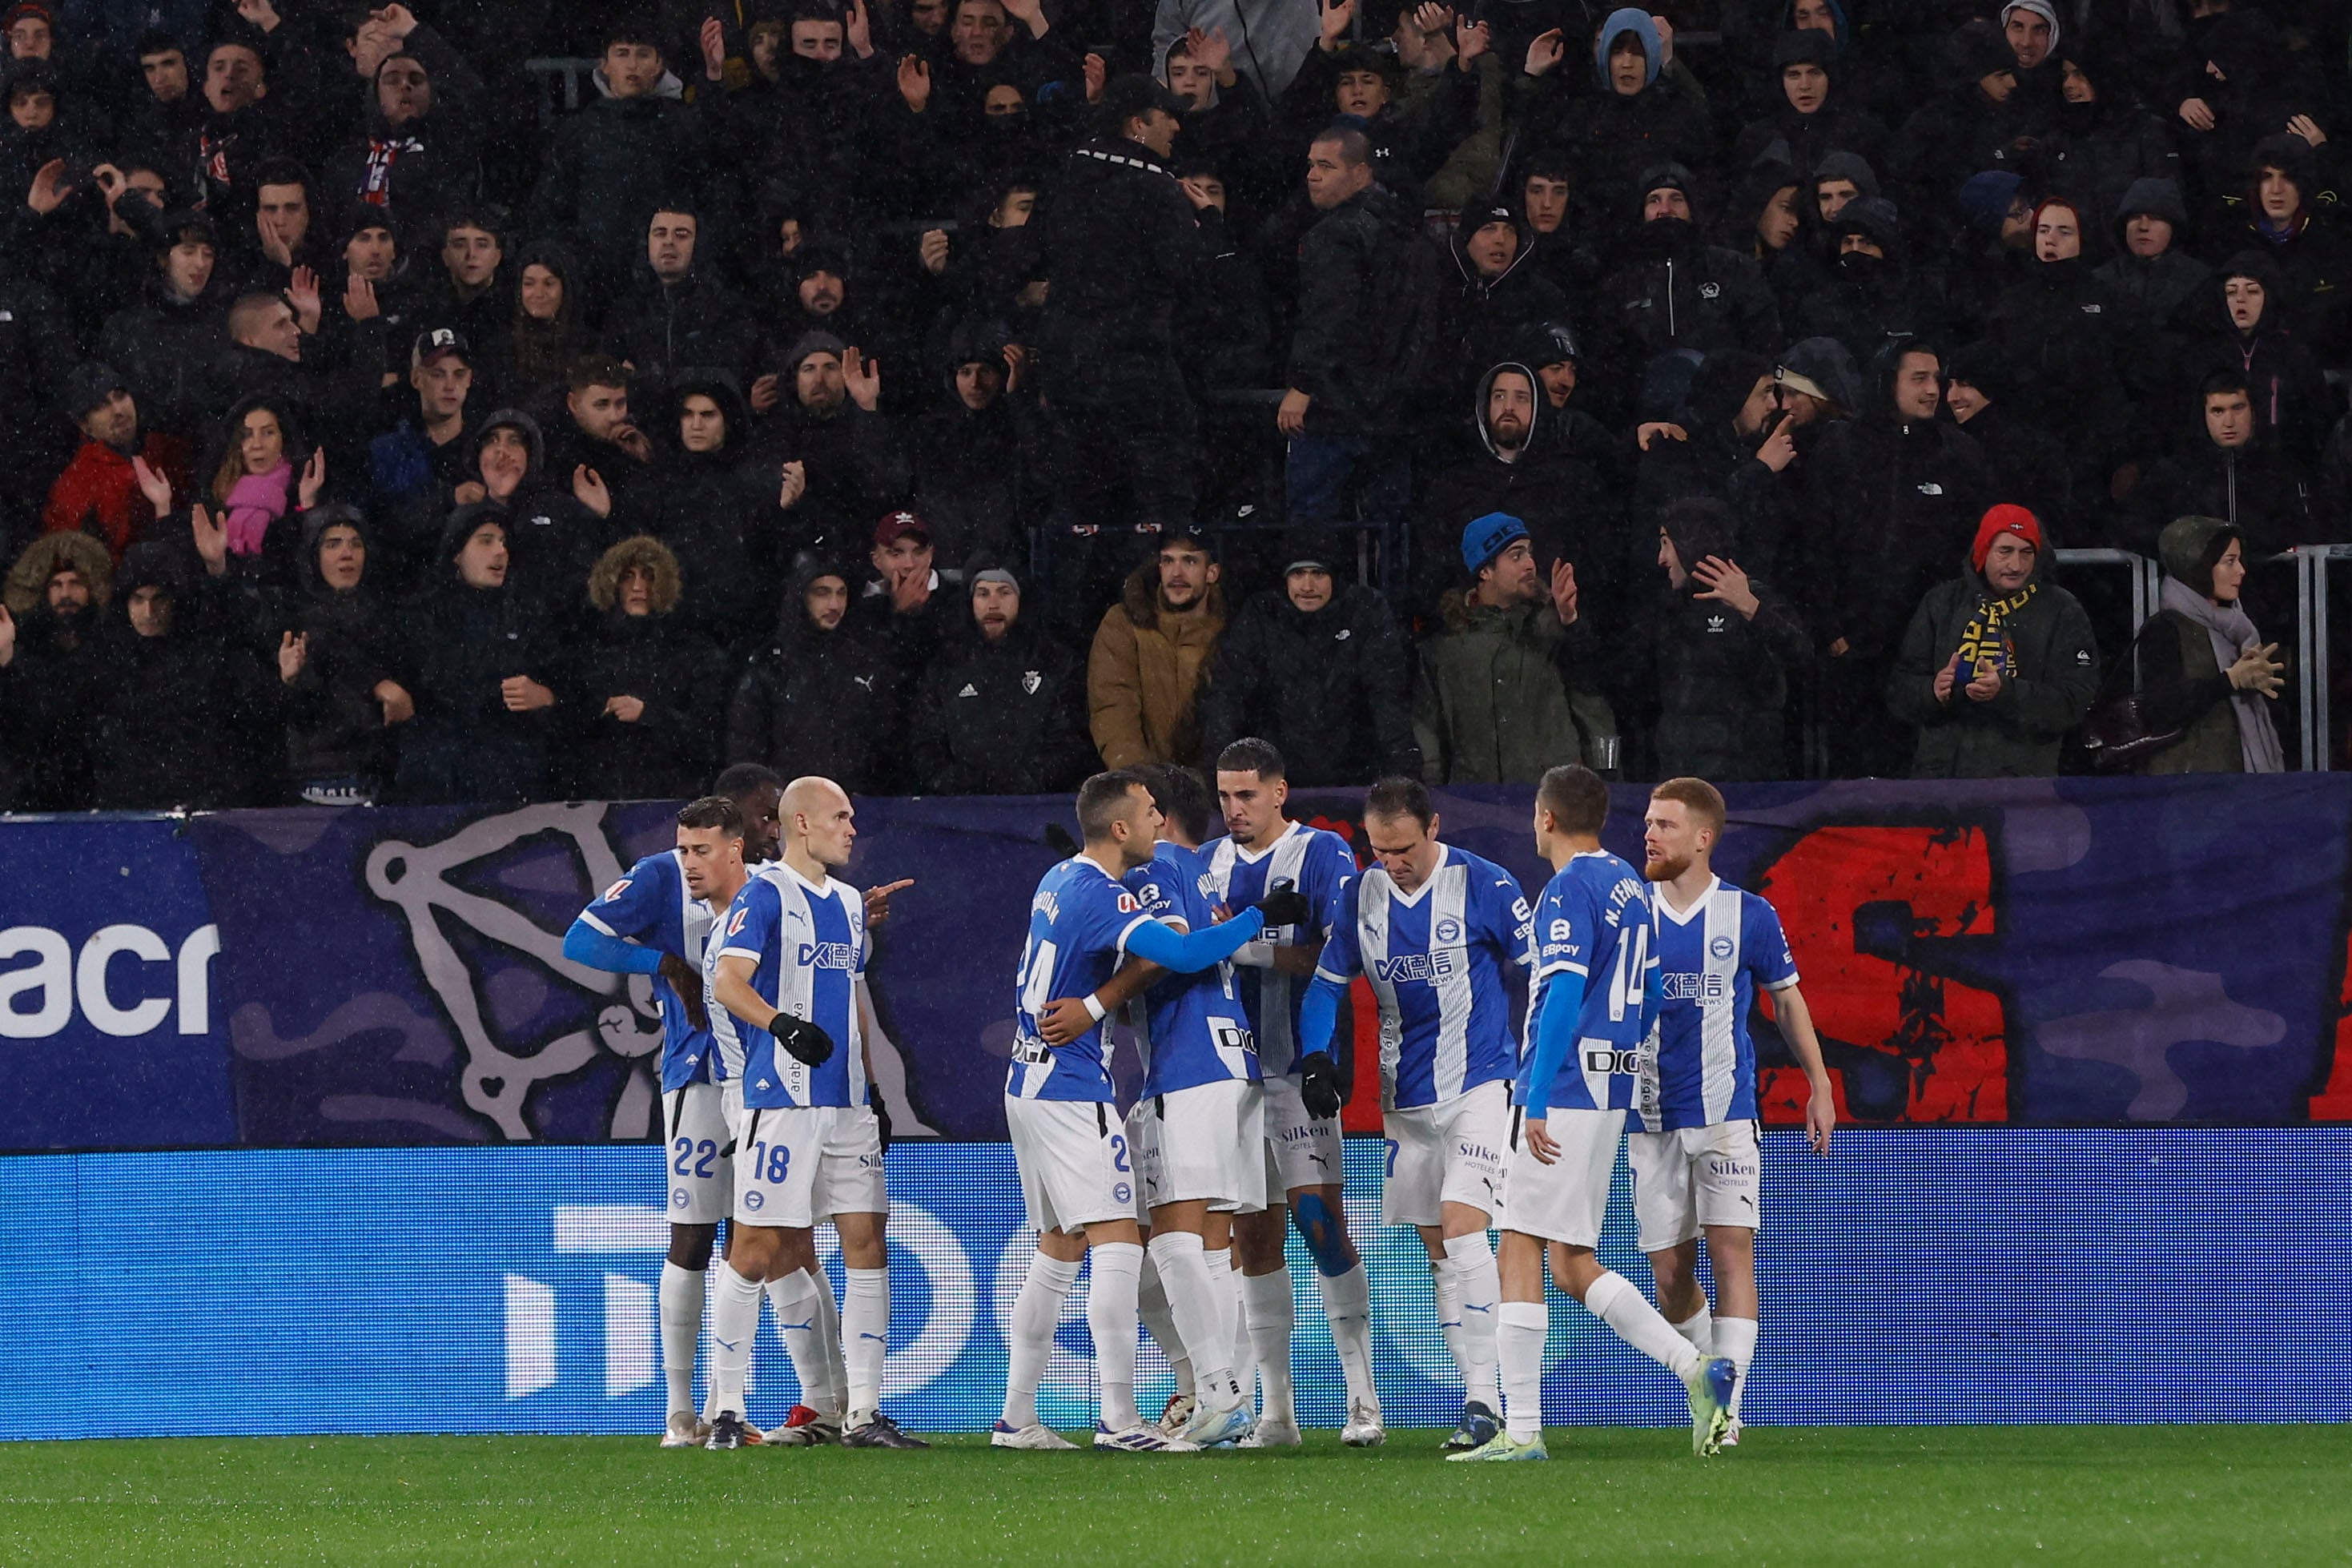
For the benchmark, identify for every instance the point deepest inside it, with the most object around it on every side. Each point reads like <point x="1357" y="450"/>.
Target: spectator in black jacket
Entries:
<point x="1675" y="293"/>
<point x="1501" y="294"/>
<point x="1870" y="295"/>
<point x="2249" y="333"/>
<point x="57" y="591"/>
<point x="485" y="665"/>
<point x="1124" y="258"/>
<point x="1358" y="85"/>
<point x="1737" y="440"/>
<point x="339" y="649"/>
<point x="1365" y="278"/>
<point x="1001" y="710"/>
<point x="1522" y="466"/>
<point x="1643" y="114"/>
<point x="1893" y="496"/>
<point x="1815" y="116"/>
<point x="647" y="688"/>
<point x="971" y="451"/>
<point x="2024" y="462"/>
<point x="418" y="149"/>
<point x="824" y="697"/>
<point x="679" y="313"/>
<point x="1318" y="668"/>
<point x="2229" y="471"/>
<point x="842" y="462"/>
<point x="1727" y="650"/>
<point x="2103" y="142"/>
<point x="176" y="694"/>
<point x="2153" y="281"/>
<point x="906" y="599"/>
<point x="713" y="505"/>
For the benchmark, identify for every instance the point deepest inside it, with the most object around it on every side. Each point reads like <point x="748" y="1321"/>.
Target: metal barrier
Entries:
<point x="2145" y="577"/>
<point x="561" y="84"/>
<point x="2313" y="686"/>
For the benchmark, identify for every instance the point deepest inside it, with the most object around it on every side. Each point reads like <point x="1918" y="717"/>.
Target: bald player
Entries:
<point x="806" y="1143"/>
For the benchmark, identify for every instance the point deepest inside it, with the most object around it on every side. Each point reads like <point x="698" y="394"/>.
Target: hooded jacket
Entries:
<point x="462" y="643"/>
<point x="1411" y="140"/>
<point x="1892" y="500"/>
<point x="58" y="678"/>
<point x="660" y="329"/>
<point x="972" y="482"/>
<point x="334" y="723"/>
<point x="1722" y="678"/>
<point x="605" y="170"/>
<point x="1364" y="275"/>
<point x="1676" y="292"/>
<point x="1802" y="141"/>
<point x="2291" y="396"/>
<point x="176" y="715"/>
<point x="2312" y="255"/>
<point x="716" y="514"/>
<point x="1492" y="314"/>
<point x="1866" y="301"/>
<point x="1612" y="135"/>
<point x="1005" y="717"/>
<point x="2066" y="341"/>
<point x="1331" y="689"/>
<point x="2050" y="665"/>
<point x="1144" y="670"/>
<point x="2155" y="291"/>
<point x="2096" y="153"/>
<point x="660" y="659"/>
<point x="1718" y="460"/>
<point x="2250" y="486"/>
<point x="1960" y="132"/>
<point x="819" y="701"/>
<point x="2181" y="682"/>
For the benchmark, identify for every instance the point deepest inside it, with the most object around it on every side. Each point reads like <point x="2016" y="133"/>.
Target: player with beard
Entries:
<point x="653" y="922"/>
<point x="1696" y="1162"/>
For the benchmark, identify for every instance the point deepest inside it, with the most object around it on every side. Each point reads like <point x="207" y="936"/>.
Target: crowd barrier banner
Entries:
<point x="2048" y="952"/>
<point x="1951" y="1275"/>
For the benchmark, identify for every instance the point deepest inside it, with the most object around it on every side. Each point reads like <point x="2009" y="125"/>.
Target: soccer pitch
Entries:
<point x="1951" y="1494"/>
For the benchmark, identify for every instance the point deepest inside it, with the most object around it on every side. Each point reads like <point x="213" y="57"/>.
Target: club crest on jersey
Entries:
<point x="615" y="890"/>
<point x="1447" y="929"/>
<point x="1031" y="681"/>
<point x="1720" y="947"/>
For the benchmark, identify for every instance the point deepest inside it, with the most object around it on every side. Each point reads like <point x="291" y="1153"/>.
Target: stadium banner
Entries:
<point x="2045" y="952"/>
<point x="1965" y="1275"/>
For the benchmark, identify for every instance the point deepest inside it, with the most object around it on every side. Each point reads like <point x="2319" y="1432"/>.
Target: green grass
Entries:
<point x="2122" y="1497"/>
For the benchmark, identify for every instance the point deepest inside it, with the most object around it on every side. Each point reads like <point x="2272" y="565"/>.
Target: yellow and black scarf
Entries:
<point x="1986" y="637"/>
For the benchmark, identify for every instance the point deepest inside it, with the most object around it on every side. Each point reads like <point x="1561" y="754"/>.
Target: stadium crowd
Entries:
<point x="963" y="395"/>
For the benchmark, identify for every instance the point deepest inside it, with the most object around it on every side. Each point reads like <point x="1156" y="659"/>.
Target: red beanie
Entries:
<point x="2006" y="517"/>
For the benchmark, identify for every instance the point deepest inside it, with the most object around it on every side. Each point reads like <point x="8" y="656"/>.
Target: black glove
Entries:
<point x="1284" y="904"/>
<point x="1318" y="1086"/>
<point x="809" y="1045"/>
<point x="881" y="1117"/>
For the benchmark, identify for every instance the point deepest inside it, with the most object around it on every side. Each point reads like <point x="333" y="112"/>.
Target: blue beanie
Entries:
<point x="1489" y="536"/>
<point x="1986" y="197"/>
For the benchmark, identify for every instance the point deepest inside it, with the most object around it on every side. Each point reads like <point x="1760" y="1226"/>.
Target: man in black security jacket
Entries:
<point x="1001" y="710"/>
<point x="1893" y="496"/>
<point x="1123" y="255"/>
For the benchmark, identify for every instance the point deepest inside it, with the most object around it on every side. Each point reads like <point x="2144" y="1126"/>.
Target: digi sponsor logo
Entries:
<point x="1620" y="1063"/>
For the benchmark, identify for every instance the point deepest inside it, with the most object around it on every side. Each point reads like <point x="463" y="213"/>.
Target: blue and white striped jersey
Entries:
<point x="1597" y="997"/>
<point x="1079" y="921"/>
<point x="808" y="945"/>
<point x="1711" y="958"/>
<point x="651" y="906"/>
<point x="1195" y="1031"/>
<point x="1435" y="959"/>
<point x="1321" y="865"/>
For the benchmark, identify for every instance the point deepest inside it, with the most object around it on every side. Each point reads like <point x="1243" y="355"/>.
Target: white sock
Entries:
<point x="1699" y="1329"/>
<point x="1233" y="1321"/>
<point x="1736" y="1338"/>
<point x="1192" y="1297"/>
<point x="834" y="1367"/>
<point x="1347" y="1305"/>
<point x="1273" y="1311"/>
<point x="681" y="1330"/>
<point x="1519" y="1342"/>
<point x="793" y="1301"/>
<point x="734" y="1324"/>
<point x="1480" y="1293"/>
<point x="1151" y="1304"/>
<point x="1448" y="1291"/>
<point x="866" y="1340"/>
<point x="1036" y="1313"/>
<point x="1110" y="1313"/>
<point x="1613" y="1299"/>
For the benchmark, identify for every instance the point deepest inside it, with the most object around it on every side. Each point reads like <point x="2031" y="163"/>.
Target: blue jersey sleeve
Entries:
<point x="1765" y="945"/>
<point x="1565" y="942"/>
<point x="751" y="924"/>
<point x="1504" y="912"/>
<point x="1193" y="952"/>
<point x="642" y="905"/>
<point x="1158" y="891"/>
<point x="1343" y="958"/>
<point x="1325" y="875"/>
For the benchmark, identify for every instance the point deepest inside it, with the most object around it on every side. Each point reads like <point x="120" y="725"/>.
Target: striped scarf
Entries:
<point x="1985" y="637"/>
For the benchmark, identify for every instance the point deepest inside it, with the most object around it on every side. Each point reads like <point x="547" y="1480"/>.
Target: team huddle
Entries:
<point x="1233" y="959"/>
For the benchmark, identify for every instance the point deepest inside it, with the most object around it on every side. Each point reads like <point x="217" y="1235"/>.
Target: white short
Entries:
<point x="1692" y="1177"/>
<point x="701" y="1177"/>
<point x="1449" y="1152"/>
<point x="1076" y="1167"/>
<point x="1567" y="1199"/>
<point x="796" y="1166"/>
<point x="1207" y="1143"/>
<point x="1301" y="1150"/>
